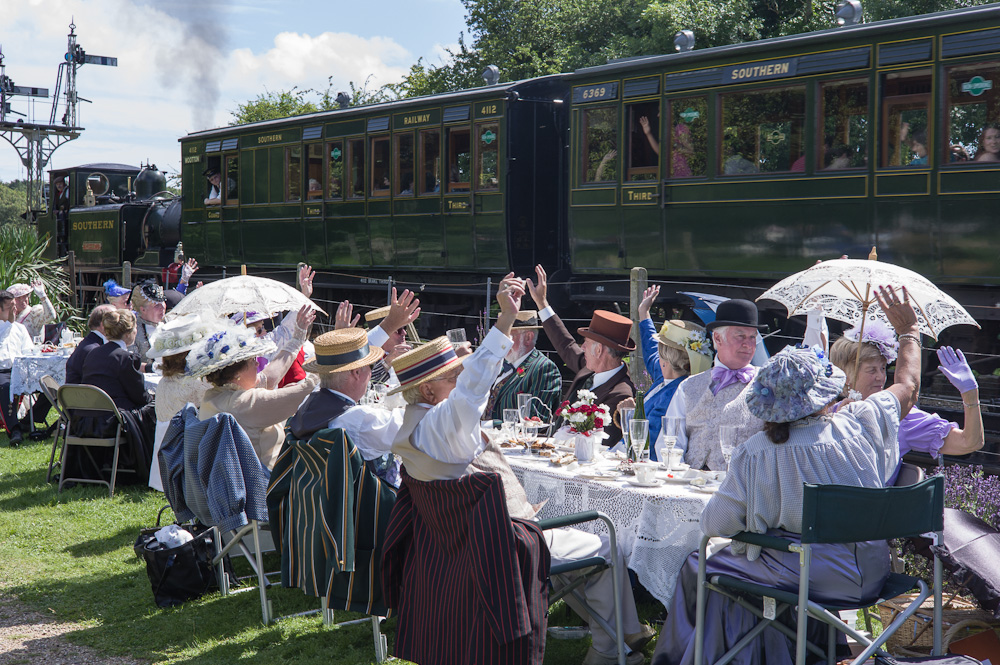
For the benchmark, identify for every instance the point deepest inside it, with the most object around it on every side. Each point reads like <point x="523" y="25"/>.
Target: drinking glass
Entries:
<point x="456" y="336"/>
<point x="727" y="442"/>
<point x="621" y="419"/>
<point x="667" y="440"/>
<point x="638" y="430"/>
<point x="510" y="419"/>
<point x="523" y="401"/>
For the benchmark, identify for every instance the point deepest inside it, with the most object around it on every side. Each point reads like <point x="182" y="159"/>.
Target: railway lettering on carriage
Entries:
<point x="192" y="159"/>
<point x="458" y="205"/>
<point x="93" y="225"/>
<point x="269" y="138"/>
<point x="417" y="119"/>
<point x="596" y="92"/>
<point x="761" y="71"/>
<point x="640" y="196"/>
<point x="488" y="109"/>
<point x="193" y="149"/>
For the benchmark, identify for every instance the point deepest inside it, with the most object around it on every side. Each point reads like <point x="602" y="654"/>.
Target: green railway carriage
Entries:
<point x="439" y="190"/>
<point x="761" y="158"/>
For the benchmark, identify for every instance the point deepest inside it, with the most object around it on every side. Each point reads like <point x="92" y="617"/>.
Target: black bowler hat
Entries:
<point x="736" y="312"/>
<point x="209" y="172"/>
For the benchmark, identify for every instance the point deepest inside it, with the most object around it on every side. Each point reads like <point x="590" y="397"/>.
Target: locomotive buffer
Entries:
<point x="34" y="142"/>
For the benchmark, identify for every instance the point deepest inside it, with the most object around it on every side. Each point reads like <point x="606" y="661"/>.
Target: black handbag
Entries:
<point x="179" y="574"/>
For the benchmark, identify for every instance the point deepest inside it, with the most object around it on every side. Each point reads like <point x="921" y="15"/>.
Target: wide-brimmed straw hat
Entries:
<point x="342" y="350"/>
<point x="18" y="290"/>
<point x="180" y="335"/>
<point x="609" y="329"/>
<point x="224" y="348"/>
<point x="425" y="363"/>
<point x="736" y="312"/>
<point x="527" y="319"/>
<point x="795" y="383"/>
<point x="690" y="337"/>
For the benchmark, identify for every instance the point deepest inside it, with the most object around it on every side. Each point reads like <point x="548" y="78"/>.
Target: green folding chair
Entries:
<point x="834" y="514"/>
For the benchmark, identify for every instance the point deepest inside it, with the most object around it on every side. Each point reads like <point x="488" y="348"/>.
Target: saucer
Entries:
<point x="676" y="480"/>
<point x="705" y="489"/>
<point x="656" y="482"/>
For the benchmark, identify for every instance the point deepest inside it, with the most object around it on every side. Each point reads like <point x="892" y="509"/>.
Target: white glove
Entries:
<point x="39" y="288"/>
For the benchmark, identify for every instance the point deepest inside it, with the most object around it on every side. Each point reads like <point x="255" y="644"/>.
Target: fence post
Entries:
<point x="298" y="270"/>
<point x="486" y="310"/>
<point x="71" y="268"/>
<point x="388" y="291"/>
<point x="127" y="274"/>
<point x="637" y="284"/>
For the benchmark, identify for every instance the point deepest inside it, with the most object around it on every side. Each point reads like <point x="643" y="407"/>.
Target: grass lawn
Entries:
<point x="70" y="557"/>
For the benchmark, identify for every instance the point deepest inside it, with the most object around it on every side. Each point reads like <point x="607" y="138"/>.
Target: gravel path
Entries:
<point x="29" y="638"/>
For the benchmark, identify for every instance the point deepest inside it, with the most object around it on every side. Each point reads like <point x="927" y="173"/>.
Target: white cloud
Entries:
<point x="171" y="77"/>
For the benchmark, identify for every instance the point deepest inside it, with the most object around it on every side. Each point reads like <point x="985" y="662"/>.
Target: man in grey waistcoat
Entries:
<point x="708" y="401"/>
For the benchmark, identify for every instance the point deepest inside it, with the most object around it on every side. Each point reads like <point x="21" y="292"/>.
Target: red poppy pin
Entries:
<point x="520" y="371"/>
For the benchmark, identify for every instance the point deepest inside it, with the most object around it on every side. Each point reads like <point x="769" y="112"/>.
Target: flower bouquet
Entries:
<point x="586" y="422"/>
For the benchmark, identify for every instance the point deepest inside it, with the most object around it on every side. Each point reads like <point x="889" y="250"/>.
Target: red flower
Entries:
<point x="520" y="371"/>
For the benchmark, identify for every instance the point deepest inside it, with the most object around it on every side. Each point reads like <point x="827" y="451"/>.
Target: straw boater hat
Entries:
<point x="527" y="320"/>
<point x="18" y="290"/>
<point x="179" y="335"/>
<point x="224" y="348"/>
<point x="678" y="334"/>
<point x="609" y="329"/>
<point x="342" y="350"/>
<point x="424" y="363"/>
<point x="795" y="383"/>
<point x="375" y="316"/>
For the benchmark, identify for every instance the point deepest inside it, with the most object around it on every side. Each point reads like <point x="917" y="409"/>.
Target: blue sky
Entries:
<point x="184" y="64"/>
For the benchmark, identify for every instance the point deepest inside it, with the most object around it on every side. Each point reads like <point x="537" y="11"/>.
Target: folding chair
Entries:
<point x="589" y="567"/>
<point x="51" y="391"/>
<point x="835" y="514"/>
<point x="87" y="401"/>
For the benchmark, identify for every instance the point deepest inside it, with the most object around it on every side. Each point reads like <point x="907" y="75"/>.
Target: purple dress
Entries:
<point x="923" y="432"/>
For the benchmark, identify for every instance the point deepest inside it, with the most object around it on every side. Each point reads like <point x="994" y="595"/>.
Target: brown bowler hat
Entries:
<point x="609" y="329"/>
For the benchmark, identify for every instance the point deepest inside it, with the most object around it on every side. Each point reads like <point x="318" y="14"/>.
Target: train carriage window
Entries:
<point x="600" y="144"/>
<point x="335" y="170"/>
<point x="459" y="160"/>
<point x="381" y="184"/>
<point x="644" y="140"/>
<point x="974" y="113"/>
<point x="357" y="166"/>
<point x="314" y="171"/>
<point x="293" y="181"/>
<point x="689" y="137"/>
<point x="762" y="131"/>
<point x="906" y="128"/>
<point x="232" y="180"/>
<point x="430" y="159"/>
<point x="844" y="125"/>
<point x="404" y="164"/>
<point x="487" y="157"/>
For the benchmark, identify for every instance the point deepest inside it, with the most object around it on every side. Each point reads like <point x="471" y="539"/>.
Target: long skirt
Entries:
<point x="135" y="451"/>
<point x="841" y="572"/>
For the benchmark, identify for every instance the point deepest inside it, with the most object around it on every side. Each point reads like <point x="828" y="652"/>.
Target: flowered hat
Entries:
<point x="879" y="335"/>
<point x="224" y="348"/>
<point x="687" y="336"/>
<point x="18" y="290"/>
<point x="342" y="350"/>
<point x="180" y="335"/>
<point x="795" y="383"/>
<point x="425" y="363"/>
<point x="114" y="290"/>
<point x="147" y="292"/>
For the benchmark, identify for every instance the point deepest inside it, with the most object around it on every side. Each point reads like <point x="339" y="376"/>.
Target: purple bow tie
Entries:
<point x="722" y="376"/>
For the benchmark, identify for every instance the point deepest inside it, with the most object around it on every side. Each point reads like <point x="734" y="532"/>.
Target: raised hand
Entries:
<point x="402" y="310"/>
<point x="345" y="317"/>
<point x="304" y="319"/>
<point x="188" y="268"/>
<point x="306" y="275"/>
<point x="899" y="311"/>
<point x="539" y="289"/>
<point x="954" y="366"/>
<point x="649" y="296"/>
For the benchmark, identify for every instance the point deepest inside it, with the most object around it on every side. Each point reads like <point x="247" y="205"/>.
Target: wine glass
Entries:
<point x="528" y="430"/>
<point x="727" y="442"/>
<point x="666" y="442"/>
<point x="621" y="419"/>
<point x="638" y="430"/>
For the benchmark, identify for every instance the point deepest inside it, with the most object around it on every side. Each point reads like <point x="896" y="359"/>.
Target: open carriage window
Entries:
<point x="688" y="137"/>
<point x="906" y="128"/>
<point x="600" y="144"/>
<point x="231" y="184"/>
<point x="357" y="167"/>
<point x="381" y="183"/>
<point x="314" y="171"/>
<point x="459" y="160"/>
<point x="404" y="164"/>
<point x="644" y="140"/>
<point x="430" y="160"/>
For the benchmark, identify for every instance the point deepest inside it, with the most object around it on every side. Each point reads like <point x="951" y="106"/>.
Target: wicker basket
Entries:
<point x="916" y="635"/>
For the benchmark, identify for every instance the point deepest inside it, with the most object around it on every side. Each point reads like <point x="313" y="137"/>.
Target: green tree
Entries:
<point x="13" y="202"/>
<point x="271" y="105"/>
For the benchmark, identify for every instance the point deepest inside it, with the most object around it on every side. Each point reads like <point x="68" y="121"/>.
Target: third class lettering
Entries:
<point x="416" y="119"/>
<point x="640" y="196"/>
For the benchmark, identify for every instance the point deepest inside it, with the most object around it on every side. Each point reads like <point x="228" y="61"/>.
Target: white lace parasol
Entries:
<point x="244" y="293"/>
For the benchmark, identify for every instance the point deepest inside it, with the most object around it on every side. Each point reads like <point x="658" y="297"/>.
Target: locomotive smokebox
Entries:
<point x="149" y="182"/>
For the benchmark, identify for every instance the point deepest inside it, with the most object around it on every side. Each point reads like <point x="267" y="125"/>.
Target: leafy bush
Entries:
<point x="21" y="260"/>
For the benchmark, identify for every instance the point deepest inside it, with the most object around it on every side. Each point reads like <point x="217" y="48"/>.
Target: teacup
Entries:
<point x="645" y="473"/>
<point x="676" y="458"/>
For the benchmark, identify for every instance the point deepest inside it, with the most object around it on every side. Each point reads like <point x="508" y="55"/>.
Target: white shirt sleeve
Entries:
<point x="377" y="337"/>
<point x="546" y="313"/>
<point x="450" y="431"/>
<point x="817" y="333"/>
<point x="678" y="409"/>
<point x="371" y="428"/>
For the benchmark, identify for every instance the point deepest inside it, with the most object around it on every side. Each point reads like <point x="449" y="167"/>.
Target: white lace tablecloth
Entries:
<point x="27" y="370"/>
<point x="657" y="527"/>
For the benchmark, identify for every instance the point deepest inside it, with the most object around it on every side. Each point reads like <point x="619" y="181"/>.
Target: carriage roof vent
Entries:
<point x="684" y="41"/>
<point x="491" y="75"/>
<point x="848" y="13"/>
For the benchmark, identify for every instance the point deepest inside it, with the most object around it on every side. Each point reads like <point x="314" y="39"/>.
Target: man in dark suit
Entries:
<point x="94" y="339"/>
<point x="598" y="364"/>
<point x="526" y="370"/>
